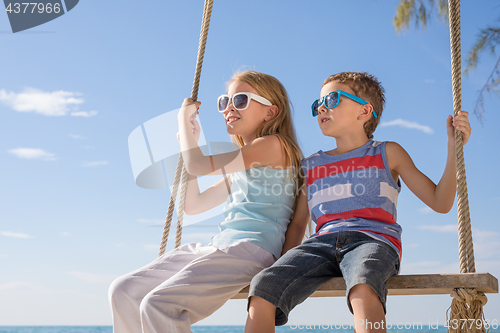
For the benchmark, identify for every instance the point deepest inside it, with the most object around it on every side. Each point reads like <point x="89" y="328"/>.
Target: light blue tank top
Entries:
<point x="259" y="208"/>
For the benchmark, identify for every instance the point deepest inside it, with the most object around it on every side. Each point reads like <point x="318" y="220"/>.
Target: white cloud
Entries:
<point x="426" y="267"/>
<point x="14" y="234"/>
<point x="14" y="285"/>
<point x="93" y="278"/>
<point x="4" y="256"/>
<point x="408" y="124"/>
<point x="486" y="243"/>
<point x="32" y="154"/>
<point x="152" y="247"/>
<point x="77" y="136"/>
<point x="425" y="210"/>
<point x="448" y="228"/>
<point x="65" y="234"/>
<point x="151" y="221"/>
<point x="84" y="114"/>
<point x="54" y="103"/>
<point x="94" y="164"/>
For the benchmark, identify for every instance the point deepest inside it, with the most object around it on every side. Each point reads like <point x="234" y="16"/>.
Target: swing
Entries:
<point x="466" y="288"/>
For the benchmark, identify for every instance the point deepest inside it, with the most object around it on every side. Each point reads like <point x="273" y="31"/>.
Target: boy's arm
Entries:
<point x="297" y="227"/>
<point x="439" y="197"/>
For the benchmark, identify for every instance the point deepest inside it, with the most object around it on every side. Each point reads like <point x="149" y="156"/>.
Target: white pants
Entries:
<point x="183" y="286"/>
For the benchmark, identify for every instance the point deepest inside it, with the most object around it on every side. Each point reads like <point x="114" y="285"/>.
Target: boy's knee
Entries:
<point x="260" y="307"/>
<point x="363" y="292"/>
<point x="260" y="303"/>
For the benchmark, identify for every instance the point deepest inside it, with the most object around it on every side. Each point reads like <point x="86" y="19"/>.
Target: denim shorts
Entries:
<point x="359" y="258"/>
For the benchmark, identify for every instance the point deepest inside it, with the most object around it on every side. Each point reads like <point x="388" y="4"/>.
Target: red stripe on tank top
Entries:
<point x="377" y="214"/>
<point x="347" y="165"/>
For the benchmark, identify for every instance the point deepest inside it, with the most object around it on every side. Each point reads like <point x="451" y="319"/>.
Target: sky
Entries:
<point x="72" y="90"/>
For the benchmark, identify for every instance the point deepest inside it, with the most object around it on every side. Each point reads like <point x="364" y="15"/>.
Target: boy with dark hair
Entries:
<point x="351" y="194"/>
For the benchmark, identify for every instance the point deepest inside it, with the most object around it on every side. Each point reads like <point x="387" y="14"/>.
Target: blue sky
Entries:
<point x="72" y="90"/>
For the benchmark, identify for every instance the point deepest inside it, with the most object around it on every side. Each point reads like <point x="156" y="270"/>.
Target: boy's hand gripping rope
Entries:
<point x="180" y="171"/>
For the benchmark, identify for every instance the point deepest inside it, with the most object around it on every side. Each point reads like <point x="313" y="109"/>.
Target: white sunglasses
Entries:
<point x="240" y="101"/>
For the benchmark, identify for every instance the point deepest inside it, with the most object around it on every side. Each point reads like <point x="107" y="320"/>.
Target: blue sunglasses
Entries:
<point x="332" y="99"/>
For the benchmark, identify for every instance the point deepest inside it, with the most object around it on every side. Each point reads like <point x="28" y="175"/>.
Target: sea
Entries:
<point x="219" y="329"/>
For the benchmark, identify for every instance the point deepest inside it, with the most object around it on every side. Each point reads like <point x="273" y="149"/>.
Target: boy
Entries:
<point x="351" y="194"/>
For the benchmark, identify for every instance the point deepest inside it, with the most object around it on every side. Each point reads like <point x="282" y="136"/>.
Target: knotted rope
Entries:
<point x="467" y="303"/>
<point x="180" y="171"/>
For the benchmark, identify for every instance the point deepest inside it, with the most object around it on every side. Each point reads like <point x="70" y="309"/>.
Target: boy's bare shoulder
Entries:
<point x="393" y="148"/>
<point x="397" y="156"/>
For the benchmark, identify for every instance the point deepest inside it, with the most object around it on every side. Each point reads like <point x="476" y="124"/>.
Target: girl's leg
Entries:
<point x="126" y="292"/>
<point x="202" y="287"/>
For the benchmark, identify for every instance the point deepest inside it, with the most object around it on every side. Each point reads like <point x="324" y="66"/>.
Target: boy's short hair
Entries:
<point x="368" y="88"/>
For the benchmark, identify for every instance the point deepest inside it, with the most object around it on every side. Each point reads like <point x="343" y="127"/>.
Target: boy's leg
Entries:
<point x="293" y="278"/>
<point x="366" y="265"/>
<point x="202" y="287"/>
<point x="261" y="316"/>
<point x="126" y="292"/>
<point x="368" y="311"/>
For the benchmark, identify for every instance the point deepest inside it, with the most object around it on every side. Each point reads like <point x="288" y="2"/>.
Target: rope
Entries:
<point x="466" y="303"/>
<point x="171" y="205"/>
<point x="180" y="169"/>
<point x="466" y="311"/>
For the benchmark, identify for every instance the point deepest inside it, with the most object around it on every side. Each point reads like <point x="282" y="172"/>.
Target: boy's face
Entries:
<point x="342" y="119"/>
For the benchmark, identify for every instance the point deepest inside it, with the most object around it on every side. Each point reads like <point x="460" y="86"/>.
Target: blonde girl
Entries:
<point x="259" y="184"/>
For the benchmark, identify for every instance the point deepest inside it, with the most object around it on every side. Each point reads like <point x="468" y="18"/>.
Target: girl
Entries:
<point x="259" y="183"/>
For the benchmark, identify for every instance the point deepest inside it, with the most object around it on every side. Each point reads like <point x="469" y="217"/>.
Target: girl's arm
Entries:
<point x="264" y="151"/>
<point x="297" y="227"/>
<point x="439" y="197"/>
<point x="196" y="202"/>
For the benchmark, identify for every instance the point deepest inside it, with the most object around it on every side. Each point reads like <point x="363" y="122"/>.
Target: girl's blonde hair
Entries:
<point x="282" y="125"/>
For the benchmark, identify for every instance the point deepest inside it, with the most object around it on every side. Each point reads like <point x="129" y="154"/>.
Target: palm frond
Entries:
<point x="419" y="11"/>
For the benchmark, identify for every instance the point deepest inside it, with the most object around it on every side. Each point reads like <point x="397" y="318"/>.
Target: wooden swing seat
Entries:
<point x="420" y="284"/>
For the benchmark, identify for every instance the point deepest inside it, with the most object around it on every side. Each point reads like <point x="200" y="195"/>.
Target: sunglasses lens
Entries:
<point x="315" y="106"/>
<point x="240" y="101"/>
<point x="223" y="100"/>
<point x="331" y="100"/>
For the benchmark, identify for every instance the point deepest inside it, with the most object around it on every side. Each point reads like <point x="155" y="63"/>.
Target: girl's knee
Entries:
<point x="118" y="290"/>
<point x="152" y="306"/>
<point x="146" y="305"/>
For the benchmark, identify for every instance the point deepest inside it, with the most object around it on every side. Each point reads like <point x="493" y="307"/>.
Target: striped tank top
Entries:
<point x="354" y="191"/>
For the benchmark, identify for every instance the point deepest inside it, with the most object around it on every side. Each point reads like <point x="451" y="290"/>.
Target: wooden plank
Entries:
<point x="421" y="284"/>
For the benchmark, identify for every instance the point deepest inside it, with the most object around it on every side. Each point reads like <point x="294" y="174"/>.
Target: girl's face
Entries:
<point x="334" y="122"/>
<point x="246" y="122"/>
